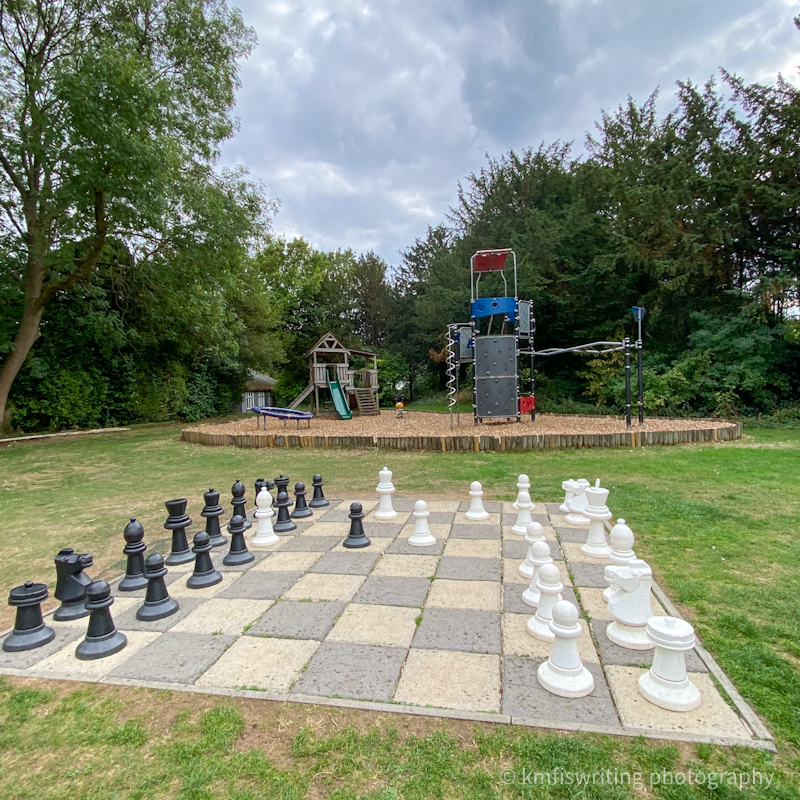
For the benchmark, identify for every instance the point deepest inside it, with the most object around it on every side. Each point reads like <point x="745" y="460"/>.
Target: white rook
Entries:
<point x="421" y="536"/>
<point x="534" y="534"/>
<point x="265" y="535"/>
<point x="550" y="587"/>
<point x="629" y="606"/>
<point x="385" y="490"/>
<point x="563" y="673"/>
<point x="476" y="510"/>
<point x="666" y="684"/>
<point x="597" y="513"/>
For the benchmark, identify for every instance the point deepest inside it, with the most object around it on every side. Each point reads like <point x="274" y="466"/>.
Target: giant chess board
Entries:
<point x="438" y="630"/>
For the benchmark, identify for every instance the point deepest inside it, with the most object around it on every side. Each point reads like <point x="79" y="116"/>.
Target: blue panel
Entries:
<point x="487" y="306"/>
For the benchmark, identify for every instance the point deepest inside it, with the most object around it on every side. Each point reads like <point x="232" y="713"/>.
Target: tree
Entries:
<point x="105" y="109"/>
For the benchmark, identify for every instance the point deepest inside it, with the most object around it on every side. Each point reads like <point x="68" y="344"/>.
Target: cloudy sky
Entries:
<point x="361" y="117"/>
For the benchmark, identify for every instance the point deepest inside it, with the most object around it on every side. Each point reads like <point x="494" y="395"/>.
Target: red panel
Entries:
<point x="489" y="261"/>
<point x="526" y="404"/>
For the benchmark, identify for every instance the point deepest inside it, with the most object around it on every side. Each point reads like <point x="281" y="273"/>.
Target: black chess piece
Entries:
<point x="238" y="553"/>
<point x="283" y="523"/>
<point x="102" y="637"/>
<point x="157" y="602"/>
<point x="239" y="502"/>
<point x="71" y="584"/>
<point x="204" y="573"/>
<point x="134" y="549"/>
<point x="282" y="485"/>
<point x="270" y="487"/>
<point x="29" y="628"/>
<point x="356" y="537"/>
<point x="318" y="500"/>
<point x="261" y="483"/>
<point x="212" y="511"/>
<point x="177" y="522"/>
<point x="301" y="509"/>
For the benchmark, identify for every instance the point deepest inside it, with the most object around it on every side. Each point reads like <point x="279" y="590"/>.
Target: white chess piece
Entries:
<point x="535" y="534"/>
<point x="476" y="510"/>
<point x="422" y="536"/>
<point x="569" y="493"/>
<point x="629" y="606"/>
<point x="385" y="489"/>
<point x="563" y="673"/>
<point x="597" y="513"/>
<point x="550" y="587"/>
<point x="540" y="556"/>
<point x="524" y="506"/>
<point x="666" y="684"/>
<point x="577" y="503"/>
<point x="265" y="535"/>
<point x="523" y="484"/>
<point x="621" y="538"/>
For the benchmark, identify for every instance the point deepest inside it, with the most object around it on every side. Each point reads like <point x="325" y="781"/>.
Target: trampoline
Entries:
<point x="282" y="413"/>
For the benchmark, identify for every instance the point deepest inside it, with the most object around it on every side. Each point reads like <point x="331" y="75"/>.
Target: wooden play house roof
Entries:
<point x="330" y="345"/>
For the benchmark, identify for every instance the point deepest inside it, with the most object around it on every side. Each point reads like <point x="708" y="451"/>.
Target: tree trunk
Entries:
<point x="27" y="334"/>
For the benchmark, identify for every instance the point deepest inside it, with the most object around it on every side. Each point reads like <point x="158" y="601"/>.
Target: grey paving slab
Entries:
<point x="389" y="591"/>
<point x="439" y="517"/>
<point x="584" y="574"/>
<point x="310" y="544"/>
<point x="169" y="578"/>
<point x="27" y="658"/>
<point x="469" y="569"/>
<point x="492" y="506"/>
<point x="611" y="653"/>
<point x="514" y="604"/>
<point x="465" y="630"/>
<point x="335" y="515"/>
<point x="510" y="518"/>
<point x="402" y="547"/>
<point x="382" y="530"/>
<point x="127" y="620"/>
<point x="350" y="563"/>
<point x="402" y="503"/>
<point x="260" y="585"/>
<point x="523" y="696"/>
<point x="577" y="535"/>
<point x="518" y="548"/>
<point x="552" y="508"/>
<point x="474" y="530"/>
<point x="175" y="658"/>
<point x="258" y="555"/>
<point x="356" y="671"/>
<point x="296" y="619"/>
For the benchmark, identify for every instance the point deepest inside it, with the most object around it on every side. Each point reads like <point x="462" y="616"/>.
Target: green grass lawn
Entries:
<point x="718" y="524"/>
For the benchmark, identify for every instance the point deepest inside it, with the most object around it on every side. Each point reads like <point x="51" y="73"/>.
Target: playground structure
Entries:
<point x="495" y="356"/>
<point x="329" y="368"/>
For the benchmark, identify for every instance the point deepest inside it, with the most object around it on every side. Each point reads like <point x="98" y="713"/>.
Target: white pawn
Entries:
<point x="476" y="510"/>
<point x="596" y="512"/>
<point x="524" y="506"/>
<point x="622" y="554"/>
<point x="265" y="535"/>
<point x="550" y="587"/>
<point x="567" y="486"/>
<point x="540" y="556"/>
<point x="629" y="606"/>
<point x="422" y="536"/>
<point x="563" y="673"/>
<point x="523" y="484"/>
<point x="535" y="534"/>
<point x="666" y="684"/>
<point x="385" y="489"/>
<point x="577" y="503"/>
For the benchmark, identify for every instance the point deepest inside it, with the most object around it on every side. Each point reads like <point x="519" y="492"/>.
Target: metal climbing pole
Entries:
<point x="452" y="373"/>
<point x="626" y="343"/>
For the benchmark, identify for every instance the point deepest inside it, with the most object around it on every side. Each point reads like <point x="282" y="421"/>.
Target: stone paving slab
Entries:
<point x="469" y="569"/>
<point x="510" y="518"/>
<point x="590" y="575"/>
<point x="518" y="548"/>
<point x="383" y="626"/>
<point x="480" y="595"/>
<point x="351" y="562"/>
<point x="65" y="637"/>
<point x="465" y="630"/>
<point x="475" y="530"/>
<point x="389" y="591"/>
<point x="514" y="604"/>
<point x="310" y="543"/>
<point x="260" y="585"/>
<point x="297" y="619"/>
<point x="127" y="621"/>
<point x="402" y="546"/>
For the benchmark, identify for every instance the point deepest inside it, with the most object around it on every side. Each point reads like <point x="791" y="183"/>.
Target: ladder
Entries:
<point x="367" y="402"/>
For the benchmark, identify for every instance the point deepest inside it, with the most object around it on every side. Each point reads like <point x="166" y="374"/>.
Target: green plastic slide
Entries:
<point x="339" y="400"/>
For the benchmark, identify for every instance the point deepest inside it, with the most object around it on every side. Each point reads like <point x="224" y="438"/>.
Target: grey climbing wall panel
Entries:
<point x="496" y="389"/>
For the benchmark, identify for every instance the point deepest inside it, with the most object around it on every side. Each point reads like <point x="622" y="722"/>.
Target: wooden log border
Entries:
<point x="471" y="444"/>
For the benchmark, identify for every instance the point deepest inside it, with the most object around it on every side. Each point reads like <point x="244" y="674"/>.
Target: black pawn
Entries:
<point x="157" y="602"/>
<point x="71" y="584"/>
<point x="356" y="537"/>
<point x="134" y="548"/>
<point x="177" y="522"/>
<point x="239" y="502"/>
<point x="301" y="509"/>
<point x="284" y="522"/>
<point x="238" y="553"/>
<point x="29" y="628"/>
<point x="318" y="500"/>
<point x="204" y="573"/>
<point x="270" y="487"/>
<point x="212" y="511"/>
<point x="102" y="637"/>
<point x="282" y="485"/>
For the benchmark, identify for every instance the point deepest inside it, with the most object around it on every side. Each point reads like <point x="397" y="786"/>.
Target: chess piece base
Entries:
<point x="563" y="508"/>
<point x="385" y="514"/>
<point x="204" y="580"/>
<point x="17" y="641"/>
<point x="318" y="503"/>
<point x="302" y="513"/>
<point x="520" y="530"/>
<point x="531" y="597"/>
<point x="265" y="541"/>
<point x="608" y="591"/>
<point x="218" y="540"/>
<point x="101" y="646"/>
<point x="154" y="611"/>
<point x="565" y="682"/>
<point x="284" y="527"/>
<point x="526" y="570"/>
<point x="237" y="559"/>
<point x="183" y="557"/>
<point x="596" y="550"/>
<point x="69" y="611"/>
<point x="421" y="541"/>
<point x="576" y="519"/>
<point x="672" y="695"/>
<point x="540" y="629"/>
<point x="476" y="516"/>
<point x="633" y="638"/>
<point x="132" y="583"/>
<point x="356" y="542"/>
